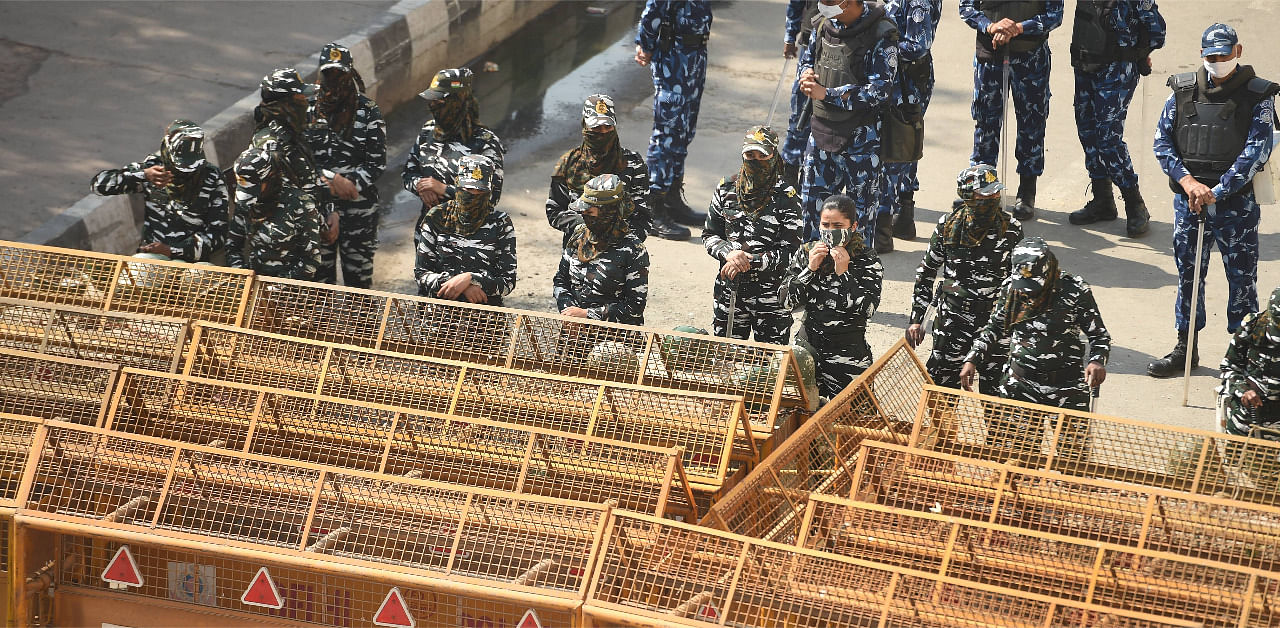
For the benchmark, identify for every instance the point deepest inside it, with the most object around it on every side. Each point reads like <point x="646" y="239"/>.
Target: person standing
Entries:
<point x="185" y="199"/>
<point x="1016" y="32"/>
<point x="1212" y="181"/>
<point x="836" y="281"/>
<point x="972" y="248"/>
<point x="604" y="268"/>
<point x="1111" y="44"/>
<point x="848" y="72"/>
<point x="349" y="141"/>
<point x="797" y="33"/>
<point x="753" y="228"/>
<point x="672" y="39"/>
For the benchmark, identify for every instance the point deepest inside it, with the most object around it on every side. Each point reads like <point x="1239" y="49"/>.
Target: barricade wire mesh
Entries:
<point x="97" y="477"/>
<point x="17" y="433"/>
<point x="458" y="450"/>
<point x="148" y="342"/>
<point x="51" y="387"/>
<point x="710" y="428"/>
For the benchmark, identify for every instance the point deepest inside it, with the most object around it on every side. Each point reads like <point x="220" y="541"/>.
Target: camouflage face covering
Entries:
<point x="183" y="147"/>
<point x="338" y="99"/>
<point x="1273" y="311"/>
<point x="973" y="221"/>
<point x="467" y="211"/>
<point x="608" y="194"/>
<point x="757" y="177"/>
<point x="600" y="152"/>
<point x="1035" y="274"/>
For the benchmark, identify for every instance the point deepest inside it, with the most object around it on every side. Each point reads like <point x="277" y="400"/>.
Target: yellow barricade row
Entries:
<point x="51" y="387"/>
<point x="150" y="342"/>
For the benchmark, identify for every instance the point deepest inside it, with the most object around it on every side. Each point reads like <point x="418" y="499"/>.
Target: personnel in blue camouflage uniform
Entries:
<point x="672" y="38"/>
<point x="972" y="248"/>
<point x="836" y="281"/>
<point x="1111" y="43"/>
<point x="796" y="35"/>
<point x="848" y="71"/>
<point x="466" y="249"/>
<point x="601" y="152"/>
<point x="1229" y="104"/>
<point x="185" y="199"/>
<point x="753" y="228"/>
<point x="1042" y="312"/>
<point x="1016" y="30"/>
<point x="282" y="213"/>
<point x="349" y="141"/>
<point x="917" y="22"/>
<point x="453" y="133"/>
<point x="604" y="269"/>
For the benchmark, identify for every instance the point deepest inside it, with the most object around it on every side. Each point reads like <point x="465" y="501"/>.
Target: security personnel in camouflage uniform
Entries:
<point x="1016" y="31"/>
<point x="186" y="202"/>
<point x="1110" y="46"/>
<point x="453" y="133"/>
<point x="798" y="30"/>
<point x="466" y="249"/>
<point x="848" y="71"/>
<point x="753" y="228"/>
<point x="917" y="22"/>
<point x="349" y="141"/>
<point x="1251" y="374"/>
<point x="973" y="248"/>
<point x="280" y="210"/>
<point x="601" y="152"/>
<point x="1235" y="109"/>
<point x="604" y="269"/>
<point x="672" y="34"/>
<point x="837" y="282"/>
<point x="1043" y="313"/>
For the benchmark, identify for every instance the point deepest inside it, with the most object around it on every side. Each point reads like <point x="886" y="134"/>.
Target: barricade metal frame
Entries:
<point x="138" y="340"/>
<point x="389" y="440"/>
<point x="713" y="429"/>
<point x="46" y="386"/>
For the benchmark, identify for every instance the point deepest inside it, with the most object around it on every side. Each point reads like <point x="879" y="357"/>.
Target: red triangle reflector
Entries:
<point x="262" y="591"/>
<point x="394" y="612"/>
<point x="530" y="620"/>
<point x="708" y="611"/>
<point x="123" y="569"/>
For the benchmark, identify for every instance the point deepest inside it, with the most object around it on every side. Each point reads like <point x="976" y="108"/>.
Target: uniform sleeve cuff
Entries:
<point x="805" y="276"/>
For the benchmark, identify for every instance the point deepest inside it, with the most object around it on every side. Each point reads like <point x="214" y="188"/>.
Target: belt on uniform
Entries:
<point x="691" y="40"/>
<point x="1069" y="376"/>
<point x="968" y="306"/>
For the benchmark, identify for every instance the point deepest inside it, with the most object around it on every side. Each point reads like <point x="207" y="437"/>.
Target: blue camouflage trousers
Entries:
<point x="678" y="77"/>
<point x="1233" y="224"/>
<point x="1029" y="82"/>
<point x="1102" y="105"/>
<point x="900" y="178"/>
<point x="797" y="138"/>
<point x="855" y="171"/>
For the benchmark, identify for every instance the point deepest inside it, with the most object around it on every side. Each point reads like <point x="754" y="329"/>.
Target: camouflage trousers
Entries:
<point x="1233" y="225"/>
<point x="793" y="145"/>
<point x="1102" y="106"/>
<point x="856" y="171"/>
<point x="757" y="308"/>
<point x="1029" y="82"/>
<point x="1022" y="435"/>
<point x="953" y="336"/>
<point x="839" y="358"/>
<point x="357" y="241"/>
<point x="678" y="76"/>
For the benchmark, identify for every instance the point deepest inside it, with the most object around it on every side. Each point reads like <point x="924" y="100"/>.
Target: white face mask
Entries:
<point x="1218" y="69"/>
<point x="830" y="11"/>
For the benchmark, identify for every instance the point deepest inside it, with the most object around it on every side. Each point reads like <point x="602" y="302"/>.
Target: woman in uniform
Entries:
<point x="604" y="270"/>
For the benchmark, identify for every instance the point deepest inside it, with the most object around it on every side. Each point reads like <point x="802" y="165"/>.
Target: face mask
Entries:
<point x="985" y="205"/>
<point x="597" y="142"/>
<point x="598" y="225"/>
<point x="471" y="198"/>
<point x="836" y="237"/>
<point x="830" y="11"/>
<point x="1221" y="68"/>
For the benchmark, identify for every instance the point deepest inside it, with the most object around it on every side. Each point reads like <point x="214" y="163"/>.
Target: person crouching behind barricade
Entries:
<point x="753" y="228"/>
<point x="1249" y="397"/>
<point x="604" y="269"/>
<point x="836" y="281"/>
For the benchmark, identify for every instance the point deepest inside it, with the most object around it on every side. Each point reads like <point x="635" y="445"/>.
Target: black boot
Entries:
<point x="904" y="226"/>
<point x="1101" y="207"/>
<point x="883" y="240"/>
<point x="1138" y="220"/>
<point x="1175" y="362"/>
<point x="1024" y="207"/>
<point x="791" y="174"/>
<point x="678" y="210"/>
<point x="662" y="225"/>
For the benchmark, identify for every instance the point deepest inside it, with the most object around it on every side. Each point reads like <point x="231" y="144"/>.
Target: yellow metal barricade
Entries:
<point x="143" y="341"/>
<point x="51" y="387"/>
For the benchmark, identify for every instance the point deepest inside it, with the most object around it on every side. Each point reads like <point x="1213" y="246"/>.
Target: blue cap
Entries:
<point x="1218" y="39"/>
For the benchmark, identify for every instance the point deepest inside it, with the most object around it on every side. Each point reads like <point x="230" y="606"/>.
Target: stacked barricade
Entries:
<point x="50" y="387"/>
<point x="142" y="341"/>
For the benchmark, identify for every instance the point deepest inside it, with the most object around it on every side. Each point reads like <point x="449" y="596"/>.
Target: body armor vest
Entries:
<point x="806" y="23"/>
<point x="1016" y="10"/>
<point x="841" y="60"/>
<point x="1092" y="40"/>
<point x="1209" y="133"/>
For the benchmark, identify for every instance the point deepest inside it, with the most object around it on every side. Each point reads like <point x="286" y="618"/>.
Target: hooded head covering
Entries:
<point x="600" y="152"/>
<point x="755" y="181"/>
<point x="452" y="104"/>
<point x="278" y="91"/>
<point x="340" y="87"/>
<point x="608" y="194"/>
<point x="1035" y="276"/>
<point x="182" y="152"/>
<point x="467" y="211"/>
<point x="972" y="221"/>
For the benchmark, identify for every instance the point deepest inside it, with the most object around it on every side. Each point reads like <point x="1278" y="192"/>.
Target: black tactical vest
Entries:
<point x="841" y="60"/>
<point x="1093" y="41"/>
<point x="1211" y="134"/>
<point x="1016" y="10"/>
<point x="806" y="23"/>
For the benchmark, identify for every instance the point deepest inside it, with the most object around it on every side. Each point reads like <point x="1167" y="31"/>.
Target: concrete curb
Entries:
<point x="396" y="55"/>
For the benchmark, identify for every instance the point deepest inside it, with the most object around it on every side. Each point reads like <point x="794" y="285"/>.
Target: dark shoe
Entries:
<point x="1175" y="362"/>
<point x="1024" y="207"/>
<point x="662" y="226"/>
<point x="1099" y="208"/>
<point x="904" y="226"/>
<point x="1138" y="219"/>
<point x="678" y="209"/>
<point x="883" y="241"/>
<point x="791" y="174"/>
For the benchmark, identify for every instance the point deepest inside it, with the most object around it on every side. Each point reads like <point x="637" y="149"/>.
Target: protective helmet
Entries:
<point x="979" y="179"/>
